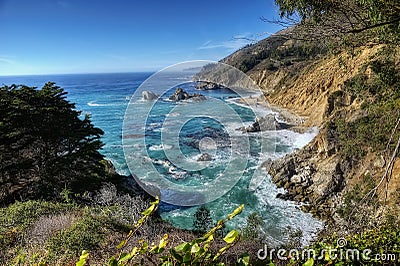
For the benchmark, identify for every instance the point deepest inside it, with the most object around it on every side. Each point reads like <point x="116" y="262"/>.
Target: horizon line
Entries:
<point x="78" y="73"/>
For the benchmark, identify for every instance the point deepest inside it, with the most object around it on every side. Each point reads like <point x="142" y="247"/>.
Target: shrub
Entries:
<point x="16" y="218"/>
<point x="85" y="234"/>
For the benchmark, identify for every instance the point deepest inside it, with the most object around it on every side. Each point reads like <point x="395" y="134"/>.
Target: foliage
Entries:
<point x="352" y="21"/>
<point x="378" y="246"/>
<point x="196" y="252"/>
<point x="353" y="197"/>
<point x="380" y="94"/>
<point x="44" y="144"/>
<point x="121" y="208"/>
<point x="202" y="220"/>
<point x="276" y="55"/>
<point x="17" y="217"/>
<point x="84" y="234"/>
<point x="371" y="247"/>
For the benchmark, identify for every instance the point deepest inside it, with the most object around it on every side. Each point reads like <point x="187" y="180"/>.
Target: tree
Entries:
<point x="365" y="21"/>
<point x="44" y="144"/>
<point x="253" y="226"/>
<point x="203" y="221"/>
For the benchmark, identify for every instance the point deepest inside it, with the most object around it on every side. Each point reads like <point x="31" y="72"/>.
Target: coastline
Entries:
<point x="283" y="115"/>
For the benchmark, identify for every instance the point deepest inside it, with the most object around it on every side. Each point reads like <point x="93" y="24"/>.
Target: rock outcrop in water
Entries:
<point x="181" y="95"/>
<point x="265" y="123"/>
<point x="204" y="85"/>
<point x="205" y="157"/>
<point x="149" y="96"/>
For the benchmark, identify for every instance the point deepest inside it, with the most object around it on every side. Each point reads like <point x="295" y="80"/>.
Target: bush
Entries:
<point x="353" y="197"/>
<point x="85" y="234"/>
<point x="16" y="218"/>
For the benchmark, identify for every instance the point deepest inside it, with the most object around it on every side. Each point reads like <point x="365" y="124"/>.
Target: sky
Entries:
<point x="101" y="36"/>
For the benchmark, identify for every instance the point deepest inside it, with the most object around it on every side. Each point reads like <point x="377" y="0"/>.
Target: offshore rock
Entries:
<point x="180" y="95"/>
<point x="204" y="85"/>
<point x="149" y="96"/>
<point x="204" y="157"/>
<point x="267" y="123"/>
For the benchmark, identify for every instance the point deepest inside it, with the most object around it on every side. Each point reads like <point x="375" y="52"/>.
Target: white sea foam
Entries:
<point x="94" y="104"/>
<point x="297" y="140"/>
<point x="160" y="147"/>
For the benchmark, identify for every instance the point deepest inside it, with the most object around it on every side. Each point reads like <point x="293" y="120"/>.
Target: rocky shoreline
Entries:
<point x="312" y="183"/>
<point x="311" y="176"/>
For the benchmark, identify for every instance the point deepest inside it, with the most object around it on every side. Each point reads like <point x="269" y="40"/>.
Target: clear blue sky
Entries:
<point x="88" y="36"/>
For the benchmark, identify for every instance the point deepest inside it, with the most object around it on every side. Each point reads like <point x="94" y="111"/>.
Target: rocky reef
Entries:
<point x="181" y="95"/>
<point x="205" y="85"/>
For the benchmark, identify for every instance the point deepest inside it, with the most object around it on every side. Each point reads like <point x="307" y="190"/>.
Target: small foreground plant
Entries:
<point x="196" y="252"/>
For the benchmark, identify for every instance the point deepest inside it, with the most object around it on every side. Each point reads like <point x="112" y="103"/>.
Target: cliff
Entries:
<point x="346" y="166"/>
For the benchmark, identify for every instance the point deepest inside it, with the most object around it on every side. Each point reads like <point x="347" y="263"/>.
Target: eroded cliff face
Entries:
<point x="318" y="175"/>
<point x="305" y="89"/>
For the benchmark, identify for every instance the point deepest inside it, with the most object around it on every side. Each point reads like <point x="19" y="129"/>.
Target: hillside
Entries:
<point x="347" y="95"/>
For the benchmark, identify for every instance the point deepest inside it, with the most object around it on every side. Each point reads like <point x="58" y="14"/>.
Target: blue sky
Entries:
<point x="89" y="36"/>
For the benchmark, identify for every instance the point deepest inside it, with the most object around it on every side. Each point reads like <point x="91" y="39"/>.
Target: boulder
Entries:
<point x="267" y="122"/>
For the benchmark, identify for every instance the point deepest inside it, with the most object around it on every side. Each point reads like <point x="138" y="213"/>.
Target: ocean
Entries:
<point x="109" y="98"/>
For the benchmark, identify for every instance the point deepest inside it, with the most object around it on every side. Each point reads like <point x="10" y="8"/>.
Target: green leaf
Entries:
<point x="187" y="257"/>
<point x="175" y="255"/>
<point x="127" y="257"/>
<point x="182" y="247"/>
<point x="231" y="236"/>
<point x="123" y="257"/>
<point x="149" y="210"/>
<point x="156" y="201"/>
<point x="244" y="260"/>
<point x="209" y="239"/>
<point x="130" y="233"/>
<point x="309" y="262"/>
<point x="83" y="258"/>
<point x="112" y="262"/>
<point x="122" y="244"/>
<point x="163" y="241"/>
<point x="326" y="256"/>
<point x="195" y="248"/>
<point x="140" y="222"/>
<point x="236" y="212"/>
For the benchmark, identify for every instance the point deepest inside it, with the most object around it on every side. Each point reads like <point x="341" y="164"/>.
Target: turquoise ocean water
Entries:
<point x="106" y="96"/>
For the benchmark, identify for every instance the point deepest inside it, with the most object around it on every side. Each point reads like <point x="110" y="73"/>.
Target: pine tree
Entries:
<point x="203" y="221"/>
<point x="45" y="145"/>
